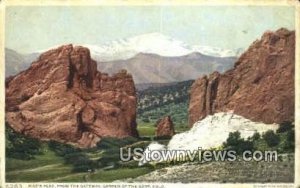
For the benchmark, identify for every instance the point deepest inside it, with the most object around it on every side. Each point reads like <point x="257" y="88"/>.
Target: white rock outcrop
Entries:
<point x="212" y="131"/>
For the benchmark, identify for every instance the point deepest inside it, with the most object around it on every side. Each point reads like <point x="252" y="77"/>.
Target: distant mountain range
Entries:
<point x="150" y="58"/>
<point x="16" y="62"/>
<point x="153" y="68"/>
<point x="153" y="43"/>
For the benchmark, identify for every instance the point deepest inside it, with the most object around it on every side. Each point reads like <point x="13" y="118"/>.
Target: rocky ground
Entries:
<point x="223" y="172"/>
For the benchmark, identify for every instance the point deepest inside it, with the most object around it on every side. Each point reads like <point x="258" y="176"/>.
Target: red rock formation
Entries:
<point x="260" y="87"/>
<point x="63" y="97"/>
<point x="165" y="127"/>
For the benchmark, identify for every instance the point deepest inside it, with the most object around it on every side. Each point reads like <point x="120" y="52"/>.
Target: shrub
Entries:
<point x="81" y="168"/>
<point x="84" y="165"/>
<point x="110" y="142"/>
<point x="146" y="120"/>
<point x="289" y="144"/>
<point x="21" y="147"/>
<point x="62" y="149"/>
<point x="75" y="158"/>
<point x="256" y="136"/>
<point x="271" y="138"/>
<point x="233" y="139"/>
<point x="236" y="143"/>
<point x="284" y="127"/>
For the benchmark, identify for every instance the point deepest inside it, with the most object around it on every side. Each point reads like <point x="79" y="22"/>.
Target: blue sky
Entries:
<point x="30" y="28"/>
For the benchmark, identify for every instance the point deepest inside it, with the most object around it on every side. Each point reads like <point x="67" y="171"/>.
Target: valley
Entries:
<point x="167" y="100"/>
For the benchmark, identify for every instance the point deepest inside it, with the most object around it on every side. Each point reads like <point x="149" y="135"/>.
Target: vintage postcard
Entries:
<point x="149" y="94"/>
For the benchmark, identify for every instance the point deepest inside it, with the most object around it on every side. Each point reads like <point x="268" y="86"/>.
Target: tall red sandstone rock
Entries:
<point x="165" y="127"/>
<point x="260" y="87"/>
<point x="63" y="97"/>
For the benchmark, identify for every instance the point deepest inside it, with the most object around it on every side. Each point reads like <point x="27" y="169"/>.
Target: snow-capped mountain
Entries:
<point x="217" y="52"/>
<point x="152" y="43"/>
<point x="151" y="58"/>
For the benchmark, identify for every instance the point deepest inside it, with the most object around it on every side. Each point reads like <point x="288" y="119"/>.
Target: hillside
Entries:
<point x="156" y="102"/>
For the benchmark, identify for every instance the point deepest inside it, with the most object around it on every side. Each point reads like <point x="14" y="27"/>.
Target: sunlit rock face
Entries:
<point x="260" y="87"/>
<point x="63" y="97"/>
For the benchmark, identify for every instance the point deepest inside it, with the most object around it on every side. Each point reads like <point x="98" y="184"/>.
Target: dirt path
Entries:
<point x="68" y="176"/>
<point x="34" y="169"/>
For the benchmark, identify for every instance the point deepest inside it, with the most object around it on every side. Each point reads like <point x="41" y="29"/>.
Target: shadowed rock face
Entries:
<point x="260" y="87"/>
<point x="165" y="127"/>
<point x="63" y="97"/>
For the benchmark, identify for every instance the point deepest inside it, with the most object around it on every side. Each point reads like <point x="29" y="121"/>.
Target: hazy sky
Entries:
<point x="34" y="28"/>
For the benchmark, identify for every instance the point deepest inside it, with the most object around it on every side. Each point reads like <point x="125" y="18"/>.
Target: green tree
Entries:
<point x="19" y="146"/>
<point x="285" y="126"/>
<point x="290" y="141"/>
<point x="146" y="120"/>
<point x="236" y="143"/>
<point x="271" y="138"/>
<point x="256" y="136"/>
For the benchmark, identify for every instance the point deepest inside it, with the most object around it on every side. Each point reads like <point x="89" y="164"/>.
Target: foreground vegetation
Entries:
<point x="31" y="160"/>
<point x="282" y="141"/>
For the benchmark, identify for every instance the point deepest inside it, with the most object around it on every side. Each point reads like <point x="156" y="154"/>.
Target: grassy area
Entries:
<point x="55" y="162"/>
<point x="71" y="178"/>
<point x="103" y="175"/>
<point x="48" y="158"/>
<point x="48" y="167"/>
<point x="146" y="129"/>
<point x="44" y="174"/>
<point x="51" y="165"/>
<point x="63" y="173"/>
<point x="111" y="175"/>
<point x="43" y="167"/>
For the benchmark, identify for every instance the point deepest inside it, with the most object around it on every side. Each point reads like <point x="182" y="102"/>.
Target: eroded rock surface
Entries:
<point x="260" y="87"/>
<point x="63" y="97"/>
<point x="165" y="127"/>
